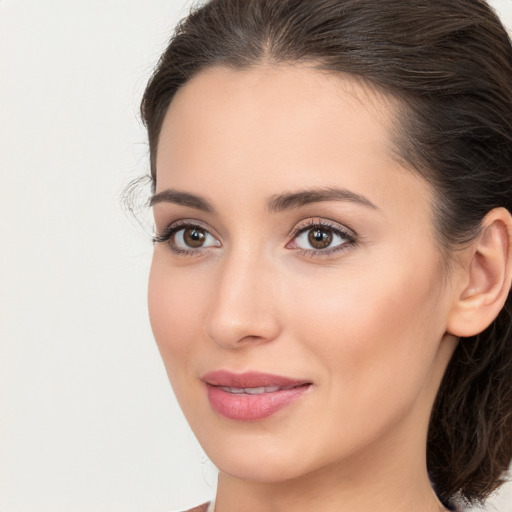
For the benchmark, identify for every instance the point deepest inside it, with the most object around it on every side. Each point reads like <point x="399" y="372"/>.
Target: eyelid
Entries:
<point x="184" y="223"/>
<point x="306" y="224"/>
<point x="303" y="226"/>
<point x="341" y="230"/>
<point x="172" y="228"/>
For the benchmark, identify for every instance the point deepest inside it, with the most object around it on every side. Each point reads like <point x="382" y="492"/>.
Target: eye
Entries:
<point x="193" y="237"/>
<point x="321" y="238"/>
<point x="187" y="238"/>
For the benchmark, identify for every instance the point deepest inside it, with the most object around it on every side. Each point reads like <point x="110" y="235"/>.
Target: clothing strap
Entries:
<point x="205" y="507"/>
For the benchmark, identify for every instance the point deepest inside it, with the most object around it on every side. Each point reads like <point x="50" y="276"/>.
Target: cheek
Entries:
<point x="376" y="330"/>
<point x="173" y="304"/>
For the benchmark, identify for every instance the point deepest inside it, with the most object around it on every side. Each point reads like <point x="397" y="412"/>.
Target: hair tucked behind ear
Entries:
<point x="449" y="65"/>
<point x="470" y="436"/>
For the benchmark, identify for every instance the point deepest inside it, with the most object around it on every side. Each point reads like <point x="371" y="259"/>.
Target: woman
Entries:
<point x="329" y="288"/>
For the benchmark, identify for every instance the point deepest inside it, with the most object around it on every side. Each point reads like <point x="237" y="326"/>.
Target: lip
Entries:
<point x="227" y="396"/>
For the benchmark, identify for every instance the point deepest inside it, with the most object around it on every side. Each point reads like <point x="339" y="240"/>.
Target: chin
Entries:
<point x="258" y="456"/>
<point x="267" y="456"/>
<point x="261" y="468"/>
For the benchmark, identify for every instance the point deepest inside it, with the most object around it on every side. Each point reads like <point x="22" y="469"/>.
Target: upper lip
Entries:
<point x="250" y="380"/>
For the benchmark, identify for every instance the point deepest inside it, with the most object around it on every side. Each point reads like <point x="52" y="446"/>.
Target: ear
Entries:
<point x="486" y="277"/>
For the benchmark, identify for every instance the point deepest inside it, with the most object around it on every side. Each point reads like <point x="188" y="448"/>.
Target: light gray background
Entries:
<point x="87" y="419"/>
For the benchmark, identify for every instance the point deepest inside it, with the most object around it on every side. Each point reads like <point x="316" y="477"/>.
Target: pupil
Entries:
<point x="194" y="237"/>
<point x="320" y="238"/>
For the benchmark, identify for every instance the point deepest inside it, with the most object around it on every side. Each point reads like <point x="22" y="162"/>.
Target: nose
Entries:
<point x="245" y="306"/>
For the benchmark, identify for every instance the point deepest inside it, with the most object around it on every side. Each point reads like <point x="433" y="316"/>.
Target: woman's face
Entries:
<point x="296" y="291"/>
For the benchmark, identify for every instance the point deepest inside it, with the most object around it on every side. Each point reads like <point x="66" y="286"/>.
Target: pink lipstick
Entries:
<point x="251" y="396"/>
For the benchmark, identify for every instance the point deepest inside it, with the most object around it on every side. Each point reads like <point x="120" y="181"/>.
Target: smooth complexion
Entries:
<point x="343" y="288"/>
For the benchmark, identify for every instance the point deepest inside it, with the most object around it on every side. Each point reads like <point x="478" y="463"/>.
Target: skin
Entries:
<point x="367" y="325"/>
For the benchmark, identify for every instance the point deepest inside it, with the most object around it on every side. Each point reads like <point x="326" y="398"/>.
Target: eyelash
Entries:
<point x="348" y="235"/>
<point x="167" y="235"/>
<point x="351" y="237"/>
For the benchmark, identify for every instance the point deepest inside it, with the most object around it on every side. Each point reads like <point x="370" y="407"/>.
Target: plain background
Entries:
<point x="87" y="419"/>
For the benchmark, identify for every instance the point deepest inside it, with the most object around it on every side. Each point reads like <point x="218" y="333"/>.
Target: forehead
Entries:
<point x="268" y="129"/>
<point x="297" y="90"/>
<point x="272" y="108"/>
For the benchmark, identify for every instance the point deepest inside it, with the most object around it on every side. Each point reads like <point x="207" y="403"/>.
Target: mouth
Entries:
<point x="251" y="396"/>
<point x="254" y="391"/>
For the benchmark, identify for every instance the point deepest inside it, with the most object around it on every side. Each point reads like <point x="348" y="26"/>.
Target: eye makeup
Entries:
<point x="323" y="233"/>
<point x="192" y="238"/>
<point x="182" y="233"/>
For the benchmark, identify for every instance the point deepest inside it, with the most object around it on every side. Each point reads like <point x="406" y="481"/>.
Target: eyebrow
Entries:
<point x="276" y="203"/>
<point x="182" y="198"/>
<point x="288" y="201"/>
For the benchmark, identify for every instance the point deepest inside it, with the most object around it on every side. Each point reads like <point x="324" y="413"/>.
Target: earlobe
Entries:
<point x="487" y="277"/>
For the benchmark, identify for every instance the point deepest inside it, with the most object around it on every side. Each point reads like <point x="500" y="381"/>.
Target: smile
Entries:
<point x="253" y="391"/>
<point x="251" y="396"/>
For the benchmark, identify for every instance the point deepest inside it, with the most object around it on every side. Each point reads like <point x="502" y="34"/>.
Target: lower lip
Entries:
<point x="245" y="407"/>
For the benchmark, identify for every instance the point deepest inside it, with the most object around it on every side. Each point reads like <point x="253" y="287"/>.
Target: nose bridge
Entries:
<point x="244" y="306"/>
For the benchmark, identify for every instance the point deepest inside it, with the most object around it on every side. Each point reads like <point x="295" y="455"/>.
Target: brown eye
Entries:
<point x="194" y="236"/>
<point x="320" y="238"/>
<point x="187" y="239"/>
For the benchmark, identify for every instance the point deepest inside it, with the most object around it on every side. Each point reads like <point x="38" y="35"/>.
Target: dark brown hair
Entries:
<point x="449" y="65"/>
